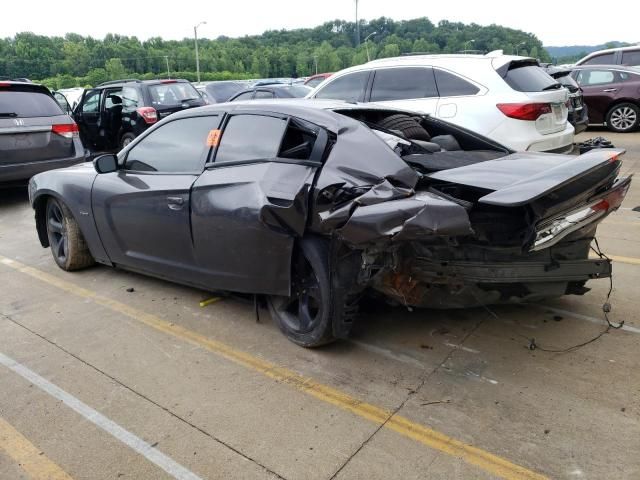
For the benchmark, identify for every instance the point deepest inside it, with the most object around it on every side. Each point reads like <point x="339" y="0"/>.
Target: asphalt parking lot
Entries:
<point x="106" y="374"/>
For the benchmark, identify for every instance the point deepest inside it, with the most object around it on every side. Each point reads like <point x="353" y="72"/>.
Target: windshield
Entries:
<point x="168" y="94"/>
<point x="297" y="91"/>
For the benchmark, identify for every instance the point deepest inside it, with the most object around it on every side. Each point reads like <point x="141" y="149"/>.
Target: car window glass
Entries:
<point x="595" y="77"/>
<point x="298" y="140"/>
<point x="91" y="102"/>
<point x="171" y="94"/>
<point x="450" y="85"/>
<point x="114" y="98"/>
<point x="130" y="98"/>
<point x="264" y="94"/>
<point x="348" y="87"/>
<point x="605" y="59"/>
<point x="631" y="58"/>
<point x="250" y="137"/>
<point x="244" y="96"/>
<point x="524" y="77"/>
<point x="28" y="104"/>
<point x="314" y="82"/>
<point x="176" y="146"/>
<point x="403" y="83"/>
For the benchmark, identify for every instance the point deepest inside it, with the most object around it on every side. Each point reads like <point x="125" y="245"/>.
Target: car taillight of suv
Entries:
<point x="524" y="111"/>
<point x="66" y="130"/>
<point x="148" y="114"/>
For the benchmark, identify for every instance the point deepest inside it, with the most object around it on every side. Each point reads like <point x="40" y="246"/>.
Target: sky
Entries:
<point x="554" y="22"/>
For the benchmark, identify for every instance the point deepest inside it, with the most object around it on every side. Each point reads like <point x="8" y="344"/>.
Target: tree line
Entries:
<point x="75" y="60"/>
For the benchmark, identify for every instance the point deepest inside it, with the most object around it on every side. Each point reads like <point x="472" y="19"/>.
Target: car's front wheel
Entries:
<point x="68" y="246"/>
<point x="306" y="316"/>
<point x="623" y="117"/>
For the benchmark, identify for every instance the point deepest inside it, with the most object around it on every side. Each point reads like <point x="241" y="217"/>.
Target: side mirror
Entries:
<point x="106" y="163"/>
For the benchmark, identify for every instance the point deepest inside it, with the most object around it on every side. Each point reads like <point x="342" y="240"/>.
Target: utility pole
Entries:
<point x="315" y="61"/>
<point x="195" y="36"/>
<point x="357" y="26"/>
<point x="166" y="59"/>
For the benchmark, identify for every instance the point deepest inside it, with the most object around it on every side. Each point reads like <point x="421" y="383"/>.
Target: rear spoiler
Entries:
<point x="542" y="183"/>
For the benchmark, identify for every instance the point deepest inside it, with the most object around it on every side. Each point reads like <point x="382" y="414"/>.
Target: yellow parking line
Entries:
<point x="485" y="460"/>
<point x="29" y="458"/>
<point x="620" y="259"/>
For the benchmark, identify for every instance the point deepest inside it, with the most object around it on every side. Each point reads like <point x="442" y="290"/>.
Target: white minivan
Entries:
<point x="506" y="98"/>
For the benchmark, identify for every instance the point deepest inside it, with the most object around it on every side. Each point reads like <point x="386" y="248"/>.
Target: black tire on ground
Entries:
<point x="409" y="127"/>
<point x="623" y="117"/>
<point x="306" y="317"/>
<point x="126" y="139"/>
<point x="68" y="247"/>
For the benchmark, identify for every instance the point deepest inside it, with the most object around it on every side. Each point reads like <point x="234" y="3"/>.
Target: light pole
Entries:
<point x="366" y="44"/>
<point x="315" y="61"/>
<point x="357" y="26"/>
<point x="195" y="36"/>
<point x="166" y="59"/>
<point x="518" y="47"/>
<point x="468" y="42"/>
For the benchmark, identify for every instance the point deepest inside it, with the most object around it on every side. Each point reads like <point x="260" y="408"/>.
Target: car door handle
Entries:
<point x="610" y="90"/>
<point x="175" y="203"/>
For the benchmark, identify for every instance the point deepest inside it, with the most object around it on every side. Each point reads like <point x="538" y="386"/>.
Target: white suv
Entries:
<point x="506" y="98"/>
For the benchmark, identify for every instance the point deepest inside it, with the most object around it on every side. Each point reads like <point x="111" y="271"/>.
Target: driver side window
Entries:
<point x="179" y="146"/>
<point x="91" y="102"/>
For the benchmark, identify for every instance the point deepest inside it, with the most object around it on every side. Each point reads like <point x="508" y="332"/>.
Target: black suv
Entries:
<point x="35" y="134"/>
<point x="111" y="115"/>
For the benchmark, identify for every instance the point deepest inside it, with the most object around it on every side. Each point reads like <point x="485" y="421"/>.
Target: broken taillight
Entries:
<point x="148" y="114"/>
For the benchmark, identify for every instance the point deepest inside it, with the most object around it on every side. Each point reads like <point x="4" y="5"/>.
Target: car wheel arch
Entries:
<point x="40" y="206"/>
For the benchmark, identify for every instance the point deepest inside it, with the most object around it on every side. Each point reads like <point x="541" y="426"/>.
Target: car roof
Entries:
<point x="622" y="68"/>
<point x="321" y="112"/>
<point x="157" y="81"/>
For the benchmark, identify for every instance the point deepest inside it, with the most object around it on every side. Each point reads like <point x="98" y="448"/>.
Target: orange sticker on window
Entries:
<point x="213" y="138"/>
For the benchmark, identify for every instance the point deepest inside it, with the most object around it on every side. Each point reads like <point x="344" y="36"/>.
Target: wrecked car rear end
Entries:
<point x="464" y="224"/>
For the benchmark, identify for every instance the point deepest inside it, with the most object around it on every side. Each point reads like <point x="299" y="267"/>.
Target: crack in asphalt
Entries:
<point x="141" y="395"/>
<point x="411" y="393"/>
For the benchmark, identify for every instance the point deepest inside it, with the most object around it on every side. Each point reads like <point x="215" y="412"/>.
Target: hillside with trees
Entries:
<point x="74" y="60"/>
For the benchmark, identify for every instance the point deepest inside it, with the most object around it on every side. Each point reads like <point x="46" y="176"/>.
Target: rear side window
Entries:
<point x="529" y="78"/>
<point x="178" y="146"/>
<point x="171" y="94"/>
<point x="403" y="83"/>
<point x="349" y="87"/>
<point x="595" y="77"/>
<point x="27" y="104"/>
<point x="605" y="59"/>
<point x="450" y="85"/>
<point x="250" y="137"/>
<point x="631" y="58"/>
<point x="130" y="98"/>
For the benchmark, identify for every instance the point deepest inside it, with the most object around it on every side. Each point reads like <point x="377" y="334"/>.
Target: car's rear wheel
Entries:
<point x="306" y="316"/>
<point x="406" y="125"/>
<point x="623" y="117"/>
<point x="126" y="139"/>
<point x="68" y="246"/>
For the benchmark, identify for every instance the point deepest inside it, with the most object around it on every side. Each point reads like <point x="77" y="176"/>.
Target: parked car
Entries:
<point x="71" y="95"/>
<point x="272" y="90"/>
<point x="612" y="94"/>
<point x="315" y="80"/>
<point x="312" y="203"/>
<point x="111" y="115"/>
<point x="220" y="92"/>
<point x="578" y="111"/>
<point x="509" y="99"/>
<point x="626" y="56"/>
<point x="35" y="134"/>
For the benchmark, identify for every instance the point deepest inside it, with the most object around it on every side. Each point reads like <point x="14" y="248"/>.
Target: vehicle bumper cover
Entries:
<point x="24" y="171"/>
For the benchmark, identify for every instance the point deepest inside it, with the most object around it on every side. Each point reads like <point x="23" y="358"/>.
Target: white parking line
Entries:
<point x="579" y="316"/>
<point x="132" y="441"/>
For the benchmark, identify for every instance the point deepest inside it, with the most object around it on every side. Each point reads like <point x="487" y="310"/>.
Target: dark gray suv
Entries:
<point x="35" y="134"/>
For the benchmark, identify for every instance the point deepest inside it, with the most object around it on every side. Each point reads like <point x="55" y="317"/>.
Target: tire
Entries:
<point x="126" y="139"/>
<point x="623" y="117"/>
<point x="68" y="247"/>
<point x="306" y="317"/>
<point x="409" y="127"/>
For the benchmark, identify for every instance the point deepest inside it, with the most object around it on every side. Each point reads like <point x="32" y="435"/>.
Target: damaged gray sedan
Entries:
<point x="312" y="204"/>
